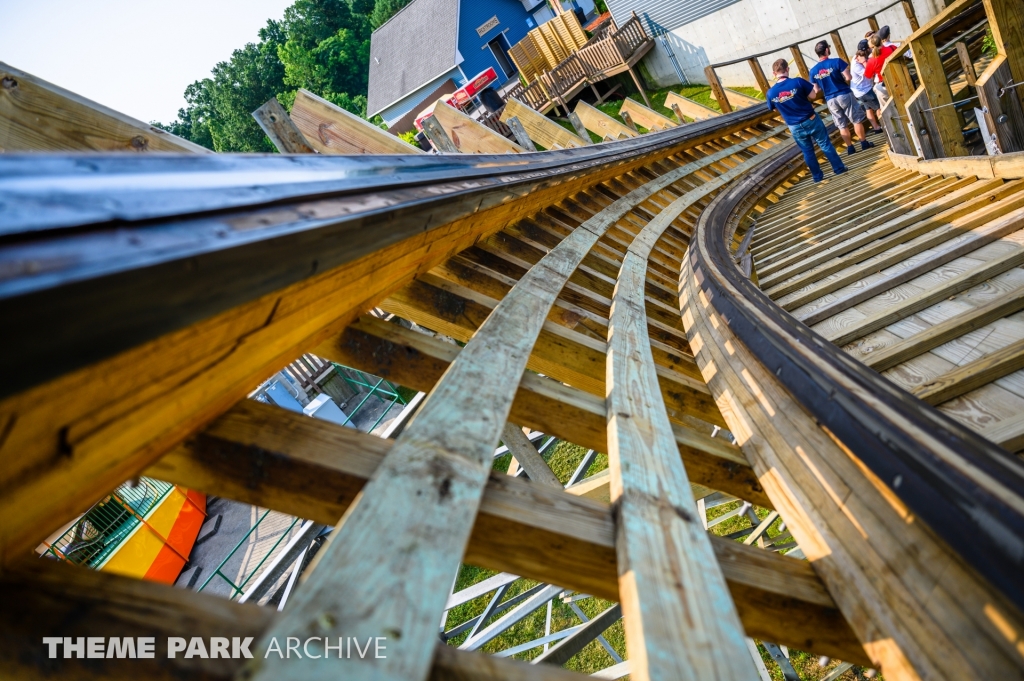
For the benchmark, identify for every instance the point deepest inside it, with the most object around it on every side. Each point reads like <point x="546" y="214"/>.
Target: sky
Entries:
<point x="134" y="56"/>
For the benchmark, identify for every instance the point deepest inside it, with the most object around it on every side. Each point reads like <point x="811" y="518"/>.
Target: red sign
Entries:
<point x="471" y="89"/>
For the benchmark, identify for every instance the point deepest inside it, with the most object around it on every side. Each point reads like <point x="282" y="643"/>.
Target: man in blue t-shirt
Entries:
<point x="832" y="75"/>
<point x="792" y="97"/>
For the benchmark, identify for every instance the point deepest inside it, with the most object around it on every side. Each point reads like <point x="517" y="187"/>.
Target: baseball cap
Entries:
<point x="863" y="45"/>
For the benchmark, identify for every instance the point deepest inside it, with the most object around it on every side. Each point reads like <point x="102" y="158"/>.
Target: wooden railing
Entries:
<point x="710" y="71"/>
<point x="923" y="117"/>
<point x="599" y="59"/>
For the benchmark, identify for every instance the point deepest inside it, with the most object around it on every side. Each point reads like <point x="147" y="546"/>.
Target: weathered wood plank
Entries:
<point x="901" y="588"/>
<point x="648" y="118"/>
<point x="38" y="116"/>
<point x="540" y="403"/>
<point x="526" y="455"/>
<point x="697" y="112"/>
<point x="280" y="129"/>
<point x="944" y="332"/>
<point x="276" y="459"/>
<point x="600" y="123"/>
<point x="59" y="600"/>
<point x="662" y="591"/>
<point x="918" y="302"/>
<point x="964" y="379"/>
<point x="717" y="91"/>
<point x="541" y="129"/>
<point x="332" y="130"/>
<point x="469" y="136"/>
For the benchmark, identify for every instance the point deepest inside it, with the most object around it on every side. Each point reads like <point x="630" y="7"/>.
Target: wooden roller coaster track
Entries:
<point x="846" y="355"/>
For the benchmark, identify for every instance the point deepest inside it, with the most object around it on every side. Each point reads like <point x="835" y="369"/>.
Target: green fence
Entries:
<point x="98" y="533"/>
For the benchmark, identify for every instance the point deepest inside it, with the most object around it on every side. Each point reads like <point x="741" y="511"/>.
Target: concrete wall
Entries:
<point x="752" y="26"/>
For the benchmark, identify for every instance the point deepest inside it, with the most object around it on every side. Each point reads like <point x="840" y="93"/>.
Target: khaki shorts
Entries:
<point x="845" y="110"/>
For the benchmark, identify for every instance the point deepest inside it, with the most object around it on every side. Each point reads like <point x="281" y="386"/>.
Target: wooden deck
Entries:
<point x="917" y="276"/>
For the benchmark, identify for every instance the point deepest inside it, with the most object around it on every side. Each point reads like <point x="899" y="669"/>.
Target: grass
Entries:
<point x="698" y="93"/>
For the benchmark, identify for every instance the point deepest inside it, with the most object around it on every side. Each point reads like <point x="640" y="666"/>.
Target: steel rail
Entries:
<point x="100" y="253"/>
<point x="985" y="531"/>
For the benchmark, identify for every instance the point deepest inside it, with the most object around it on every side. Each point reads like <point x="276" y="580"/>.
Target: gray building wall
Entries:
<point x="702" y="32"/>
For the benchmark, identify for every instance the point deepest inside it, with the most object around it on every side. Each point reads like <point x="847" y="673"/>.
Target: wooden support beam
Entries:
<point x="922" y="126"/>
<point x="968" y="377"/>
<point x="1003" y="110"/>
<point x="332" y="130"/>
<point x="837" y="45"/>
<point x="540" y="128"/>
<point x="690" y="108"/>
<point x="280" y="129"/>
<point x="469" y="136"/>
<point x="648" y="118"/>
<point x="581" y="130"/>
<point x="798" y="60"/>
<point x="144" y="400"/>
<point x="908" y="10"/>
<point x="438" y="137"/>
<point x="270" y="457"/>
<point x="852" y="528"/>
<point x="540" y="403"/>
<point x="519" y="132"/>
<point x="966" y="63"/>
<point x="55" y="599"/>
<point x="600" y="123"/>
<point x="762" y="80"/>
<point x="940" y="97"/>
<point x="873" y="23"/>
<point x="39" y="116"/>
<point x="717" y="91"/>
<point x="525" y="454"/>
<point x="628" y="120"/>
<point x="901" y="89"/>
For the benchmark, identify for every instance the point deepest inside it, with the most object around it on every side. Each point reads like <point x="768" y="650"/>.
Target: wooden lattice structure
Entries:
<point x="685" y="300"/>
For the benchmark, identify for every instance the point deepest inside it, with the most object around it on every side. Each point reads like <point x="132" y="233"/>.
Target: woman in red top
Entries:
<point x="879" y="53"/>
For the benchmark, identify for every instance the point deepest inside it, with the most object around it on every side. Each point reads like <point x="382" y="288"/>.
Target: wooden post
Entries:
<point x="581" y="129"/>
<point x="873" y="23"/>
<point x="837" y="43"/>
<point x="717" y="90"/>
<point x="901" y="89"/>
<point x="519" y="132"/>
<point x="908" y="9"/>
<point x="678" y="113"/>
<point x="1004" y="115"/>
<point x="948" y="137"/>
<point x="798" y="60"/>
<point x="966" y="63"/>
<point x="762" y="80"/>
<point x="438" y="137"/>
<point x="470" y="136"/>
<point x="636" y="78"/>
<point x="601" y="123"/>
<point x="280" y="129"/>
<point x="539" y="128"/>
<point x="628" y="120"/>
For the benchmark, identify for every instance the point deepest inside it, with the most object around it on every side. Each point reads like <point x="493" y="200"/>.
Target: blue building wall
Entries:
<point x="512" y="20"/>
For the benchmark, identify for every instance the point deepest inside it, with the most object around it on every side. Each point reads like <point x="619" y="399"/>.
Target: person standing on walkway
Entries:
<point x="832" y="76"/>
<point x="863" y="88"/>
<point x="792" y="97"/>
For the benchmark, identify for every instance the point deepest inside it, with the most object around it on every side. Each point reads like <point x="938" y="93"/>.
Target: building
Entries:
<point x="692" y="34"/>
<point x="433" y="46"/>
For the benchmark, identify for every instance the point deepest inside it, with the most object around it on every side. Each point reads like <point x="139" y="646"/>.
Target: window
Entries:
<point x="499" y="47"/>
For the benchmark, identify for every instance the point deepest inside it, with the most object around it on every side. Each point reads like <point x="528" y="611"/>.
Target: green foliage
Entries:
<point x="320" y="45"/>
<point x="601" y="6"/>
<point x="988" y="43"/>
<point x="409" y="137"/>
<point x="384" y="10"/>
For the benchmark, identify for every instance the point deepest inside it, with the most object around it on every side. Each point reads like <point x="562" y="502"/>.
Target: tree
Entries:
<point x="384" y="10"/>
<point x="320" y="45"/>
